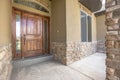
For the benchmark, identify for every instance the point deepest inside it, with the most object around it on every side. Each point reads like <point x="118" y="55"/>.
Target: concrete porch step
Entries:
<point x="31" y="61"/>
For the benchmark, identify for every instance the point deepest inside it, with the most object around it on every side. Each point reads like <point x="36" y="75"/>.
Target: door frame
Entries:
<point x="20" y="11"/>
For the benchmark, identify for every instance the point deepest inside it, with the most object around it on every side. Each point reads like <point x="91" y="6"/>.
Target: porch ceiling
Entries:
<point x="93" y="5"/>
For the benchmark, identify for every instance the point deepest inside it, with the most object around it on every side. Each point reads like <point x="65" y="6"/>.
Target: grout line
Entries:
<point x="81" y="73"/>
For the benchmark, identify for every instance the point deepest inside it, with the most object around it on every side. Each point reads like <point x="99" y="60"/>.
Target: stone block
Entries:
<point x="110" y="71"/>
<point x="112" y="33"/>
<point x="112" y="37"/>
<point x="110" y="3"/>
<point x="116" y="13"/>
<point x="110" y="56"/>
<point x="117" y="73"/>
<point x="118" y="2"/>
<point x="110" y="44"/>
<point x="113" y="64"/>
<point x="109" y="22"/>
<point x="111" y="9"/>
<point x="112" y="78"/>
<point x="113" y="27"/>
<point x="117" y="57"/>
<point x="109" y="15"/>
<point x="112" y="51"/>
<point x="117" y="44"/>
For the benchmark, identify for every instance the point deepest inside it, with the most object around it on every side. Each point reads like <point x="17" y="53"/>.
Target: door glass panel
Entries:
<point x="18" y="30"/>
<point x="45" y="35"/>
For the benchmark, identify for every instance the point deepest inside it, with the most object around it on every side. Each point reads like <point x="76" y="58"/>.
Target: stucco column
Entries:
<point x="5" y="21"/>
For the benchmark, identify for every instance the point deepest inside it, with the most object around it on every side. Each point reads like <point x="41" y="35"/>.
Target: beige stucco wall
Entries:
<point x="58" y="21"/>
<point x="94" y="32"/>
<point x="73" y="20"/>
<point x="101" y="28"/>
<point x="5" y="21"/>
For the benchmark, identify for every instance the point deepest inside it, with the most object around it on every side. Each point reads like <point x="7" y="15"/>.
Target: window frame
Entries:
<point x="87" y="25"/>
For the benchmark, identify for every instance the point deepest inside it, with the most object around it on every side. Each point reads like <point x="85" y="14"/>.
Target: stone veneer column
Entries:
<point x="113" y="39"/>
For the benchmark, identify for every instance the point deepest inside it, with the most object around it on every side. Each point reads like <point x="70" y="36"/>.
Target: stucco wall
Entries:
<point x="94" y="32"/>
<point x="58" y="21"/>
<point x="5" y="22"/>
<point x="66" y="42"/>
<point x="73" y="20"/>
<point x="101" y="28"/>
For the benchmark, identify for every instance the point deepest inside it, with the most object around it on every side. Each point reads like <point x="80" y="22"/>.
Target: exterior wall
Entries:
<point x="5" y="39"/>
<point x="58" y="30"/>
<point x="5" y="22"/>
<point x="65" y="16"/>
<point x="78" y="50"/>
<point x="59" y="51"/>
<point x="73" y="20"/>
<point x="101" y="28"/>
<point x="113" y="39"/>
<point x="71" y="49"/>
<point x="69" y="52"/>
<point x="58" y="21"/>
<point x="75" y="49"/>
<point x="94" y="31"/>
<point x="65" y="30"/>
<point x="101" y="32"/>
<point x="5" y="62"/>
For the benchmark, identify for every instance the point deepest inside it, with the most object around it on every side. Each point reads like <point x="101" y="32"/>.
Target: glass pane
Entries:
<point x="83" y="27"/>
<point x="18" y="29"/>
<point x="45" y="35"/>
<point x="89" y="29"/>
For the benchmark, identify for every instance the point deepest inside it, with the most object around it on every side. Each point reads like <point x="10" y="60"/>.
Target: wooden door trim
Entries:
<point x="31" y="12"/>
<point x="48" y="19"/>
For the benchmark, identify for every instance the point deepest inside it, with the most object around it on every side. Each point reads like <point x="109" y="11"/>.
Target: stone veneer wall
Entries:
<point x="113" y="39"/>
<point x="59" y="51"/>
<point x="5" y="62"/>
<point x="70" y="52"/>
<point x="101" y="46"/>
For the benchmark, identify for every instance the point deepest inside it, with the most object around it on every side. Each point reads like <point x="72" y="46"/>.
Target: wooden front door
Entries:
<point x="33" y="34"/>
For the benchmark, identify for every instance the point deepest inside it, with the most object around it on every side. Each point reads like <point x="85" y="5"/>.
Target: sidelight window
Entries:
<point x="18" y="32"/>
